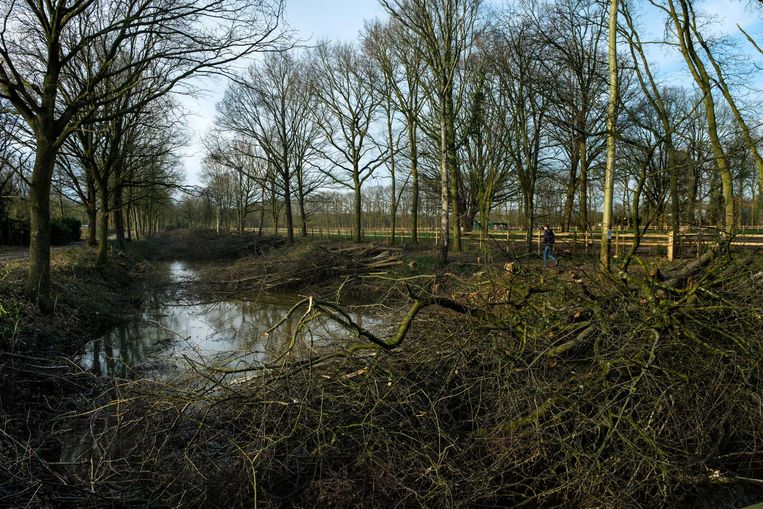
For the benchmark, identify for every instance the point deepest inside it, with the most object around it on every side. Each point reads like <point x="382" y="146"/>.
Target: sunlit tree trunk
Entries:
<point x="444" y="193"/>
<point x="357" y="234"/>
<point x="609" y="179"/>
<point x="414" y="181"/>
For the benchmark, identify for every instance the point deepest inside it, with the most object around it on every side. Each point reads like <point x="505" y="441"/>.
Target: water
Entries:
<point x="173" y="333"/>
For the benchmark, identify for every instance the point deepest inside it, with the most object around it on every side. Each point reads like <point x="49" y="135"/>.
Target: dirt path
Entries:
<point x="13" y="254"/>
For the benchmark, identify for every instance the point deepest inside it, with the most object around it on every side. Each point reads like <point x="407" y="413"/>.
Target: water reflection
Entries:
<point x="227" y="333"/>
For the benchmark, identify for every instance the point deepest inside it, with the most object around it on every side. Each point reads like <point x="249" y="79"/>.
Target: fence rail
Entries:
<point x="685" y="245"/>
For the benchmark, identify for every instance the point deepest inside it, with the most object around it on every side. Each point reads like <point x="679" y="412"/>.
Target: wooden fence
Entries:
<point x="685" y="245"/>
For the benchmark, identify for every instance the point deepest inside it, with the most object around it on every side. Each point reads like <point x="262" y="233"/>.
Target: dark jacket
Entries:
<point x="548" y="237"/>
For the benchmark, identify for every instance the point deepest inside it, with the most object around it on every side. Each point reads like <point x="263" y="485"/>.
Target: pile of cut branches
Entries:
<point x="541" y="389"/>
<point x="302" y="266"/>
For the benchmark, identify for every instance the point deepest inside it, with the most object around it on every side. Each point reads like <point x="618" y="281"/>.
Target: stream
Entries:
<point x="174" y="332"/>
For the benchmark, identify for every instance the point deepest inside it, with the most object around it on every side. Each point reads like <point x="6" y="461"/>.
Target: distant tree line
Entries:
<point x="480" y="108"/>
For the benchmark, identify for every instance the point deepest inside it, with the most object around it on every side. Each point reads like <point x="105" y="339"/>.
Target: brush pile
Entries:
<point x="562" y="391"/>
<point x="302" y="266"/>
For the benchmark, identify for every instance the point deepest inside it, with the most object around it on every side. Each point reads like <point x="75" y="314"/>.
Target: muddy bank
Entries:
<point x="327" y="268"/>
<point x="38" y="382"/>
<point x="87" y="300"/>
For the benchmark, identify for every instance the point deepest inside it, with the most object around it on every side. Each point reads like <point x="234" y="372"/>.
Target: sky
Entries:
<point x="313" y="21"/>
<point x="342" y="20"/>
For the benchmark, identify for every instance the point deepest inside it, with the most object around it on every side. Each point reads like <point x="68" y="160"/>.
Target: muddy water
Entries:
<point x="173" y="332"/>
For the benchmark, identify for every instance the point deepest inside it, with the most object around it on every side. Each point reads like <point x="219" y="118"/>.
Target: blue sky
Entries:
<point x="312" y="20"/>
<point x="334" y="19"/>
<point x="342" y="20"/>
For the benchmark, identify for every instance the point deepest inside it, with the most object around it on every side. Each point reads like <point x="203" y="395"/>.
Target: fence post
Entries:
<point x="671" y="246"/>
<point x="585" y="240"/>
<point x="539" y="241"/>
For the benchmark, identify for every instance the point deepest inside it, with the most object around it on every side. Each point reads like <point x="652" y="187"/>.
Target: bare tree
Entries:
<point x="572" y="33"/>
<point x="442" y="31"/>
<point x="522" y="90"/>
<point x="346" y="111"/>
<point x="720" y="79"/>
<point x="43" y="43"/>
<point x="242" y="157"/>
<point x="609" y="184"/>
<point x="402" y="69"/>
<point x="680" y="17"/>
<point x="219" y="182"/>
<point x="266" y="107"/>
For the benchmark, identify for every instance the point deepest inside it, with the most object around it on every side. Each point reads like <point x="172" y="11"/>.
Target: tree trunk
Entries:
<point x="262" y="211"/>
<point x="301" y="201"/>
<point x="609" y="180"/>
<point x="393" y="211"/>
<point x="274" y="206"/>
<point x="444" y="196"/>
<point x="454" y="175"/>
<point x="569" y="202"/>
<point x="38" y="275"/>
<point x="119" y="227"/>
<point x="103" y="226"/>
<point x="128" y="214"/>
<point x="91" y="206"/>
<point x="128" y="223"/>
<point x="414" y="182"/>
<point x="701" y="77"/>
<point x="529" y="213"/>
<point x="721" y="163"/>
<point x="356" y="233"/>
<point x="302" y="214"/>
<point x="241" y="217"/>
<point x="135" y="222"/>
<point x="751" y="144"/>
<point x="92" y="217"/>
<point x="289" y="216"/>
<point x="583" y="185"/>
<point x="675" y="204"/>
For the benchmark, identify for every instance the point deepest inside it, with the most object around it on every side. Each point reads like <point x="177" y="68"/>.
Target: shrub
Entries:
<point x="65" y="230"/>
<point x="14" y="231"/>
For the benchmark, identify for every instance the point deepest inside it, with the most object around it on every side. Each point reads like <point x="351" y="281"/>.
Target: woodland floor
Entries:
<point x="514" y="385"/>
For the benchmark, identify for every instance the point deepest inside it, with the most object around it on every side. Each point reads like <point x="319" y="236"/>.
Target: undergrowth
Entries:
<point x="547" y="389"/>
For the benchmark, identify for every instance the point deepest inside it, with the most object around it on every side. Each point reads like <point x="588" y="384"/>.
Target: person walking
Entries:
<point x="548" y="251"/>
